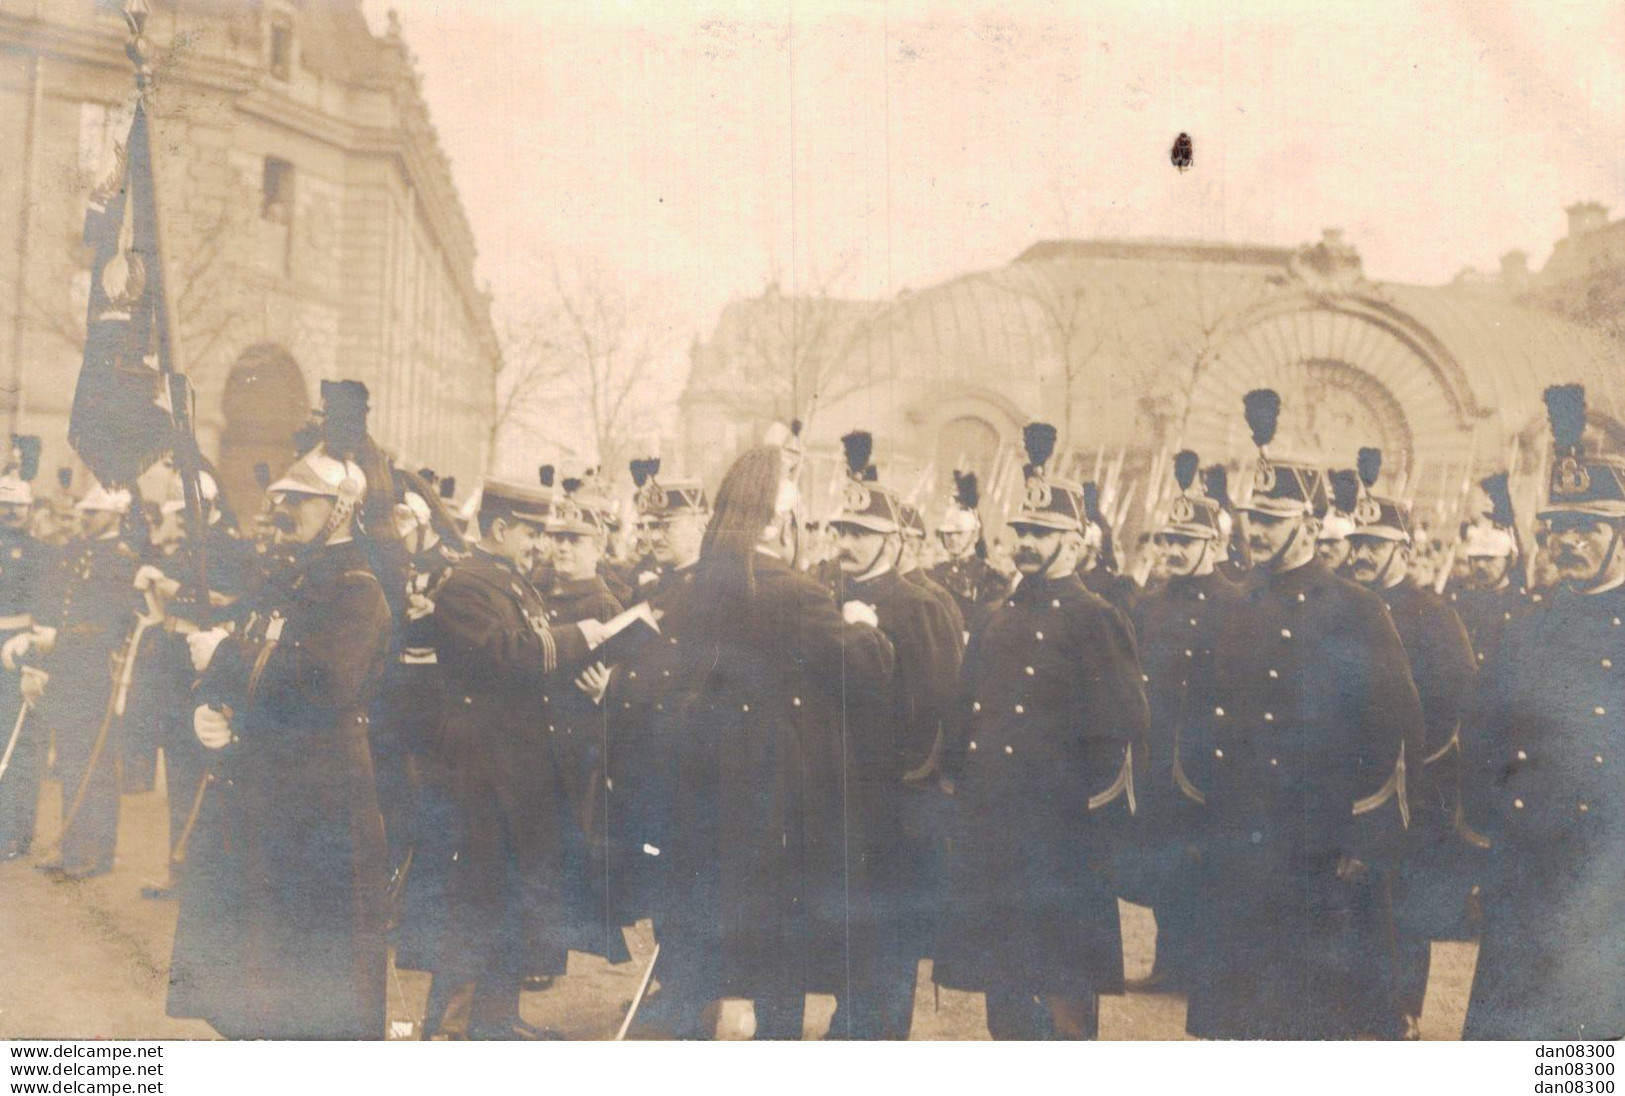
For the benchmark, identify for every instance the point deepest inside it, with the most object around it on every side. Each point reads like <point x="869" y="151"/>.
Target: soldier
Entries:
<point x="505" y="908"/>
<point x="1430" y="885"/>
<point x="411" y="698"/>
<point x="1331" y="543"/>
<point x="1056" y="714"/>
<point x="763" y="835"/>
<point x="966" y="574"/>
<point x="898" y="738"/>
<point x="281" y="930"/>
<point x="639" y="751"/>
<point x="1552" y="959"/>
<point x="1216" y="486"/>
<point x="78" y="642"/>
<point x="1177" y="628"/>
<point x="161" y="692"/>
<point x="911" y="547"/>
<point x="1301" y="761"/>
<point x="24" y="566"/>
<point x="540" y="568"/>
<point x="1494" y="591"/>
<point x="577" y="526"/>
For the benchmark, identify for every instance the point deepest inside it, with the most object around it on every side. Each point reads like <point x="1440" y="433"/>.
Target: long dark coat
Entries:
<point x="501" y="848"/>
<point x="767" y="896"/>
<point x="25" y="564"/>
<point x="1552" y="726"/>
<point x="281" y="920"/>
<point x="1177" y="628"/>
<point x="575" y="731"/>
<point x="1315" y="702"/>
<point x="975" y="585"/>
<point x="1056" y="713"/>
<point x="897" y="731"/>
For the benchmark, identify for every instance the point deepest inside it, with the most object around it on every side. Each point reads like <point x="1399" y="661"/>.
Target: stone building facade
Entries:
<point x="1136" y="348"/>
<point x="312" y="227"/>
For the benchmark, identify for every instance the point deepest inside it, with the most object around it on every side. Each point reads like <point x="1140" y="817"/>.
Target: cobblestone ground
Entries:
<point x="91" y="960"/>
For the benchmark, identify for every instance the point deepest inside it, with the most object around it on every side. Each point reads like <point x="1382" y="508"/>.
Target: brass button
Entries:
<point x="1275" y="761"/>
<point x="1188" y="652"/>
<point x="1269" y="717"/>
<point x="1518" y="803"/>
<point x="1600" y="711"/>
<point x="1038" y="636"/>
<point x="1275" y="673"/>
<point x="1218" y="753"/>
<point x="1029" y="671"/>
<point x="1584" y="807"/>
<point x="1300" y="597"/>
<point x="795" y="701"/>
<point x="1286" y="633"/>
<point x="1009" y="749"/>
<point x="1193" y="622"/>
<point x="1522" y="756"/>
<point x="973" y="745"/>
<point x="1608" y="664"/>
<point x="976" y="705"/>
<point x="744" y="707"/>
<point x="1598" y="759"/>
<point x="1020" y="710"/>
<point x="1218" y="711"/>
<point x="1057" y="605"/>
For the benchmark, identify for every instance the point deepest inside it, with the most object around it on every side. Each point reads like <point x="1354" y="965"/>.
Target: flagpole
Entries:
<point x="187" y="456"/>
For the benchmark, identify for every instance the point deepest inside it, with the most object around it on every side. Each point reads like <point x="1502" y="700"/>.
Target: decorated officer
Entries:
<point x="1055" y="715"/>
<point x="1431" y="881"/>
<point x="1177" y="627"/>
<point x="1301" y="760"/>
<point x="1552" y="736"/>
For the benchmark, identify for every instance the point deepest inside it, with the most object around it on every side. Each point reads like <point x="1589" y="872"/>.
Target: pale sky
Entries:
<point x="712" y="144"/>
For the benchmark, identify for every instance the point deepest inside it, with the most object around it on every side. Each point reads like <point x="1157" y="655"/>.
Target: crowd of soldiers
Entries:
<point x="488" y="734"/>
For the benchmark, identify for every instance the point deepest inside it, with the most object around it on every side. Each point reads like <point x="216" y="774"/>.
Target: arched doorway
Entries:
<point x="966" y="443"/>
<point x="264" y="403"/>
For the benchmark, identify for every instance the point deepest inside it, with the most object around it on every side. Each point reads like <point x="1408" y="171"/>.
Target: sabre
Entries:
<point x="16" y="733"/>
<point x="637" y="998"/>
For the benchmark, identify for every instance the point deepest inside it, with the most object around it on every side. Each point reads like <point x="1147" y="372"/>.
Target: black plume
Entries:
<point x="28" y="453"/>
<point x="571" y="485"/>
<point x="1370" y="465"/>
<point x="859" y="446"/>
<point x="1185" y="465"/>
<point x="448" y="487"/>
<point x="1345" y="489"/>
<point x="1566" y="408"/>
<point x="966" y="490"/>
<point x="1263" y="407"/>
<point x="870" y="474"/>
<point x="795" y="428"/>
<point x="429" y="476"/>
<point x="654" y="467"/>
<point x="1499" y="490"/>
<point x="1091" y="505"/>
<point x="262" y="475"/>
<point x="344" y="418"/>
<point x="1039" y="438"/>
<point x="545" y="474"/>
<point x="1216" y="484"/>
<point x="640" y="472"/>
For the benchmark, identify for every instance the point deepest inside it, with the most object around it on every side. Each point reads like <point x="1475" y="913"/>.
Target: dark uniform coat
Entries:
<point x="974" y="584"/>
<point x="25" y="564"/>
<point x="1056" y="712"/>
<point x="281" y="922"/>
<point x="1551" y="724"/>
<point x="1485" y="614"/>
<point x="897" y="732"/>
<point x="1119" y="590"/>
<point x="500" y="859"/>
<point x="1177" y="628"/>
<point x="575" y="731"/>
<point x="1314" y="705"/>
<point x="92" y="608"/>
<point x="924" y="581"/>
<point x="768" y="887"/>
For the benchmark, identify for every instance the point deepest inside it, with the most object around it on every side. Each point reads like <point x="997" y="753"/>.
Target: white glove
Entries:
<point x="736" y="1018"/>
<point x="211" y="727"/>
<point x="860" y="612"/>
<point x="594" y="632"/>
<point x="16" y="649"/>
<point x="32" y="685"/>
<point x="202" y="647"/>
<point x="418" y="606"/>
<point x="146" y="575"/>
<point x="594" y="681"/>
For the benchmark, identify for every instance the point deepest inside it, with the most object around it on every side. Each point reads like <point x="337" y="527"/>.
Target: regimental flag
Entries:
<point x="121" y="423"/>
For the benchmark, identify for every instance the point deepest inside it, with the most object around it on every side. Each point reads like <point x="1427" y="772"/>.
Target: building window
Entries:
<point x="281" y="47"/>
<point x="277" y="204"/>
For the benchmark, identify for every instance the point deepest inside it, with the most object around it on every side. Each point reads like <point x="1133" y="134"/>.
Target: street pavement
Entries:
<point x="90" y="960"/>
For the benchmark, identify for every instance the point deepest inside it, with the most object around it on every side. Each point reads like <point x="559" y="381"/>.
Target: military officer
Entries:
<point x="1552" y="957"/>
<point x="506" y="908"/>
<point x="577" y="527"/>
<point x="78" y="641"/>
<point x="281" y="930"/>
<point x="639" y="750"/>
<point x="1494" y="591"/>
<point x="24" y="566"/>
<point x="966" y="574"/>
<point x="1098" y="568"/>
<point x="898" y="739"/>
<point x="1056" y="713"/>
<point x="1177" y="628"/>
<point x="1431" y="881"/>
<point x="1301" y="761"/>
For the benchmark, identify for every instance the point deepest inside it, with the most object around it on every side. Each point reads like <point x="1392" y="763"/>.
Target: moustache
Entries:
<point x="1568" y="557"/>
<point x="1027" y="555"/>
